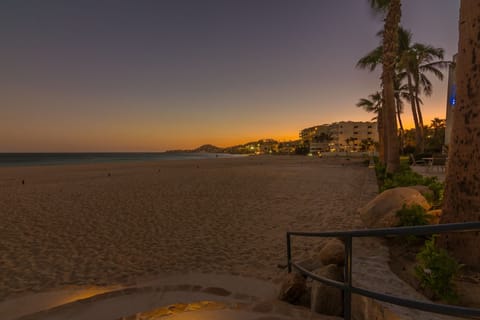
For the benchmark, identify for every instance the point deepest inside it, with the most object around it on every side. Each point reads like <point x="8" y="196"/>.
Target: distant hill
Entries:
<point x="263" y="146"/>
<point x="208" y="148"/>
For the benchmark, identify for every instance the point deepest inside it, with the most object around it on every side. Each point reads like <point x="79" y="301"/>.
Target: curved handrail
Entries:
<point x="347" y="286"/>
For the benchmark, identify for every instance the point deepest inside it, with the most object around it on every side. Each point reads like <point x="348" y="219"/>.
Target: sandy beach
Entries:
<point x="113" y="224"/>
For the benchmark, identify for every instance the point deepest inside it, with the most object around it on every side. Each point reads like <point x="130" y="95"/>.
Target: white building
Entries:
<point x="340" y="136"/>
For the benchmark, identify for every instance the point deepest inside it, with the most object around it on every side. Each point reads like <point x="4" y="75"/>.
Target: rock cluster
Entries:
<point x="327" y="263"/>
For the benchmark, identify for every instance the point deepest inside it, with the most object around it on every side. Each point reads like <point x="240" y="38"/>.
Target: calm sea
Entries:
<point x="35" y="159"/>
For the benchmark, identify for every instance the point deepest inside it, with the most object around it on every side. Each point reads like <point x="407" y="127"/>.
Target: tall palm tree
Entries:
<point x="415" y="61"/>
<point x="390" y="49"/>
<point x="399" y="91"/>
<point x="370" y="62"/>
<point x="374" y="104"/>
<point x="462" y="191"/>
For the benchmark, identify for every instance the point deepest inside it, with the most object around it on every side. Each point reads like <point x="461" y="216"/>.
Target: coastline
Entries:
<point x="113" y="224"/>
<point x="68" y="158"/>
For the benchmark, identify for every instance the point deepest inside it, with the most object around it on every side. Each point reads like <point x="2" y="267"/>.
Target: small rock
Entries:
<point x="293" y="287"/>
<point x="333" y="253"/>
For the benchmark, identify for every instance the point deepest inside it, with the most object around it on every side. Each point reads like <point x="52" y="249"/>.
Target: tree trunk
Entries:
<point x="462" y="192"/>
<point x="400" y="124"/>
<point x="380" y="128"/>
<point x="420" y="121"/>
<point x="418" y="137"/>
<point x="390" y="46"/>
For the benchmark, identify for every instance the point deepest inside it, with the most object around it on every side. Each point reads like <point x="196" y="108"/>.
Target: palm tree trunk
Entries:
<point x="381" y="137"/>
<point x="418" y="137"/>
<point x="420" y="120"/>
<point x="390" y="46"/>
<point x="400" y="124"/>
<point x="462" y="192"/>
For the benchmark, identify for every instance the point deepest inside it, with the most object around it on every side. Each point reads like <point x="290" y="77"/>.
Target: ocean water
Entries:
<point x="36" y="159"/>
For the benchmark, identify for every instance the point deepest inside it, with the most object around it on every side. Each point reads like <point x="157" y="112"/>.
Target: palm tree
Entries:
<point x="435" y="135"/>
<point x="399" y="92"/>
<point x="389" y="55"/>
<point x="374" y="104"/>
<point x="370" y="62"/>
<point x="415" y="61"/>
<point x="462" y="191"/>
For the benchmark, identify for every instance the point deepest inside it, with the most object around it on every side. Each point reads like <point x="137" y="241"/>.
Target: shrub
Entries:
<point x="405" y="178"/>
<point x="414" y="215"/>
<point x="436" y="270"/>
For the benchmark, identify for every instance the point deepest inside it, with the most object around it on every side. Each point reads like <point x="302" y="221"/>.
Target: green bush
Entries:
<point x="405" y="178"/>
<point x="414" y="215"/>
<point x="436" y="269"/>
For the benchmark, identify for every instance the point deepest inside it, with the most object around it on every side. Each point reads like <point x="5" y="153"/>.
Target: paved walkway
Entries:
<point x="430" y="172"/>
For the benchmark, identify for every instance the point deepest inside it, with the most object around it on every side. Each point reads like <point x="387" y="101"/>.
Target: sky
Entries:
<point x="154" y="75"/>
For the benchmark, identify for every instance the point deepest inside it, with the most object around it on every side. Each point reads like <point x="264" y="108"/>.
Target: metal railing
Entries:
<point x="347" y="286"/>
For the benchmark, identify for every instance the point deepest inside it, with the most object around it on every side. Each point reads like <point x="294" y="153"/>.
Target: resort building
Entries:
<point x="341" y="136"/>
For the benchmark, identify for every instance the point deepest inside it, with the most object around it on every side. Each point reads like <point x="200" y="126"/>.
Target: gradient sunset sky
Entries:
<point x="166" y="74"/>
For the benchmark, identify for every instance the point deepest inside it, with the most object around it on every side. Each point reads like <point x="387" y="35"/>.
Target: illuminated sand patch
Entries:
<point x="178" y="308"/>
<point x="23" y="305"/>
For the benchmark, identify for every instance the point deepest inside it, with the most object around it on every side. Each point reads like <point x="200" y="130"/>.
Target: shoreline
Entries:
<point x="76" y="225"/>
<point x="27" y="159"/>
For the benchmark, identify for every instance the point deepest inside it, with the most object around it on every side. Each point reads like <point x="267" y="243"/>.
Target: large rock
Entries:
<point x="381" y="211"/>
<point x="424" y="190"/>
<point x="311" y="263"/>
<point x="333" y="253"/>
<point x="293" y="288"/>
<point x="434" y="216"/>
<point x="326" y="299"/>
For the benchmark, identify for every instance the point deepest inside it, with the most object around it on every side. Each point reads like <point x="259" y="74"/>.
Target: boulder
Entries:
<point x="293" y="288"/>
<point x="333" y="252"/>
<point x="434" y="216"/>
<point x="424" y="190"/>
<point x="326" y="299"/>
<point x="311" y="263"/>
<point x="381" y="211"/>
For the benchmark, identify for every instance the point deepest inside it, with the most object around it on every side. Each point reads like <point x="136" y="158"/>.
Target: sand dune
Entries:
<point x="110" y="224"/>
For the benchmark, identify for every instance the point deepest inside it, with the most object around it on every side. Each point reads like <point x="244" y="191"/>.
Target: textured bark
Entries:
<point x="390" y="50"/>
<point x="381" y="137"/>
<point x="462" y="192"/>
<point x="416" y="122"/>
<point x="400" y="123"/>
<point x="421" y="144"/>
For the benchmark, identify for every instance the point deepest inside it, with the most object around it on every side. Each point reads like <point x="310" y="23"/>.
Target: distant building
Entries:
<point x="340" y="136"/>
<point x="351" y="136"/>
<point x="288" y="147"/>
<point x="309" y="134"/>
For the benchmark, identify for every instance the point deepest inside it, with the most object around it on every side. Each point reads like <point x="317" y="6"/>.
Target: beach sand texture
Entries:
<point x="109" y="224"/>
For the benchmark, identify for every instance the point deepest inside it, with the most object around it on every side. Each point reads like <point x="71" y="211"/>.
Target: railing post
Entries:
<point x="347" y="292"/>
<point x="289" y="254"/>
